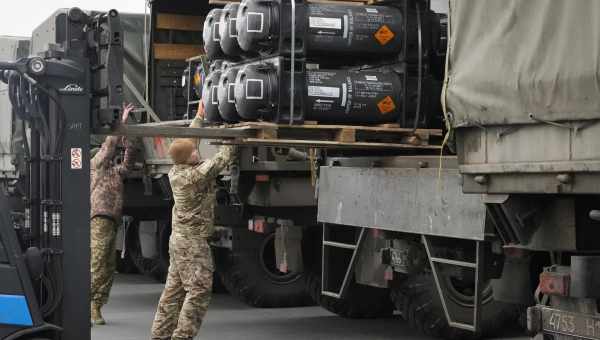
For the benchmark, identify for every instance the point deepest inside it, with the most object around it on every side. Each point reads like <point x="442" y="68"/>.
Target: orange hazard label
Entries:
<point x="384" y="34"/>
<point x="197" y="79"/>
<point x="386" y="105"/>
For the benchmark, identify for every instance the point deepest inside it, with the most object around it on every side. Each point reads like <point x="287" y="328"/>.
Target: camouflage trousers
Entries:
<point x="103" y="262"/>
<point x="187" y="293"/>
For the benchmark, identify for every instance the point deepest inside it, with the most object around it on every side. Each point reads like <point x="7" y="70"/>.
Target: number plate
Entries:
<point x="572" y="324"/>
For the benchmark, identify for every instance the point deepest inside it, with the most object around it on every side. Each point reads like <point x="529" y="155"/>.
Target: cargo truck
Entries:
<point x="523" y="104"/>
<point x="469" y="242"/>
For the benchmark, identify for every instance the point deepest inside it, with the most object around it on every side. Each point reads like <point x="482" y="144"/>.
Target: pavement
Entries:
<point x="134" y="298"/>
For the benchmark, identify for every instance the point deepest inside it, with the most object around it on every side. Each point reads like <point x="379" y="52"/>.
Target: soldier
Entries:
<point x="106" y="206"/>
<point x="187" y="293"/>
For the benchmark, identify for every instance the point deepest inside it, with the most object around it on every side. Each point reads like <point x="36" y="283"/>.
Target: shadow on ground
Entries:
<point x="133" y="301"/>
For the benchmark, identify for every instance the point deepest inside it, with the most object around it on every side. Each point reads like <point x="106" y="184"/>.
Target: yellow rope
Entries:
<point x="439" y="179"/>
<point x="313" y="172"/>
<point x="443" y="100"/>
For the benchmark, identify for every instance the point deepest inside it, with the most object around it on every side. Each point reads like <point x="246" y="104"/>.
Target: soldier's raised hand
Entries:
<point x="126" y="111"/>
<point x="200" y="113"/>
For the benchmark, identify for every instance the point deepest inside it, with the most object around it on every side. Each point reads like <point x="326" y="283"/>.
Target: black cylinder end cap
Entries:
<point x="76" y="14"/>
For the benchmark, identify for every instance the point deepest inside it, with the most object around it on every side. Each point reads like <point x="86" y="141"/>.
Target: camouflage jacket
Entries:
<point x="194" y="194"/>
<point x="107" y="178"/>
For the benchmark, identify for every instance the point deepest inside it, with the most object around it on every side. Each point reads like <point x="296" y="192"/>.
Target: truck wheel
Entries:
<point x="419" y="302"/>
<point x="156" y="268"/>
<point x="218" y="286"/>
<point x="249" y="272"/>
<point x="125" y="265"/>
<point x="361" y="302"/>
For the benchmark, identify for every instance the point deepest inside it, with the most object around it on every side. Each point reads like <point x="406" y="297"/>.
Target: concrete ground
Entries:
<point x="133" y="301"/>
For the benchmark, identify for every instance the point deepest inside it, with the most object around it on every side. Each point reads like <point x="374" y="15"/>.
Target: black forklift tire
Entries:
<point x="419" y="302"/>
<point x="360" y="301"/>
<point x="248" y="273"/>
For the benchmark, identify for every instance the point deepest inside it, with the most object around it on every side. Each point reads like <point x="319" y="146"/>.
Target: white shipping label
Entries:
<point x="330" y="23"/>
<point x="371" y="78"/>
<point x="324" y="91"/>
<point x="371" y="10"/>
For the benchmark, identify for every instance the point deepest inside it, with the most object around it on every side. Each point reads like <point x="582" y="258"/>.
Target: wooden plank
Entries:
<point x="176" y="132"/>
<point x="389" y="125"/>
<point x="184" y="122"/>
<point x="346" y="135"/>
<point x="327" y="144"/>
<point x="268" y="133"/>
<point x="275" y="135"/>
<point x="176" y="51"/>
<point x="179" y="22"/>
<point x="431" y="132"/>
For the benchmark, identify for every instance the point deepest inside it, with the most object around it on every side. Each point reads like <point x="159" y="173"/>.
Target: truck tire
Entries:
<point x="125" y="265"/>
<point x="155" y="268"/>
<point x="361" y="302"/>
<point x="419" y="302"/>
<point x="249" y="273"/>
<point x="218" y="286"/>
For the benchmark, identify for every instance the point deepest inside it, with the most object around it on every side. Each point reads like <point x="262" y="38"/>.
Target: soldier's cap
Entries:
<point x="181" y="149"/>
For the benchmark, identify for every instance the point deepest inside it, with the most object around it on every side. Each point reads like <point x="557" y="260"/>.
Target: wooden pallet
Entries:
<point x="308" y="135"/>
<point x="315" y="135"/>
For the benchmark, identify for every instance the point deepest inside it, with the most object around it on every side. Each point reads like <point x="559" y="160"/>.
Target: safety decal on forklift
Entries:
<point x="386" y="105"/>
<point x="76" y="159"/>
<point x="384" y="35"/>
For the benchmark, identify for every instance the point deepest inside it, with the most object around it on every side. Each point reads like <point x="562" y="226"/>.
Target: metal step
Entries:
<point x="325" y="262"/>
<point x="475" y="326"/>
<point x="453" y="262"/>
<point x="339" y="245"/>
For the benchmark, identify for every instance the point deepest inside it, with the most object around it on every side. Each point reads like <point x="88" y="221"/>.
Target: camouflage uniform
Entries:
<point x="106" y="207"/>
<point x="187" y="292"/>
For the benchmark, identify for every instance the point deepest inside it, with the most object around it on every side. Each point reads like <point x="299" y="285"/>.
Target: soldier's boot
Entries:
<point x="96" y="315"/>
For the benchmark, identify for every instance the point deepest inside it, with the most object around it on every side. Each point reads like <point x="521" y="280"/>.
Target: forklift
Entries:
<point x="71" y="84"/>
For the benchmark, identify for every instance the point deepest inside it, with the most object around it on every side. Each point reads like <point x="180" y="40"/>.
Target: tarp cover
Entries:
<point x="510" y="58"/>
